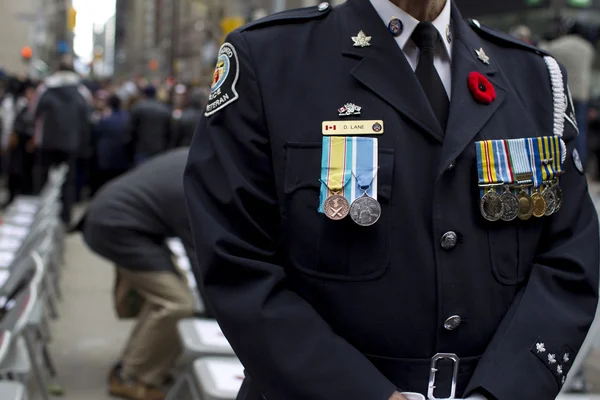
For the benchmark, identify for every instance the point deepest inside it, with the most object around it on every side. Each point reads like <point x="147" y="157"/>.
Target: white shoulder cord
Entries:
<point x="560" y="102"/>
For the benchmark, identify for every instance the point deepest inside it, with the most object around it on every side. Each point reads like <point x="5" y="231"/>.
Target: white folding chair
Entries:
<point x="199" y="338"/>
<point x="218" y="378"/>
<point x="12" y="391"/>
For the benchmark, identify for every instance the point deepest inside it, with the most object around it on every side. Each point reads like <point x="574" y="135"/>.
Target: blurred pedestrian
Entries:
<point x="184" y="127"/>
<point x="128" y="223"/>
<point x="21" y="154"/>
<point x="576" y="51"/>
<point x="150" y="126"/>
<point x="110" y="139"/>
<point x="61" y="112"/>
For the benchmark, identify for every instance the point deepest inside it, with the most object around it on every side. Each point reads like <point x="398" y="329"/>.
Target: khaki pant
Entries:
<point x="154" y="344"/>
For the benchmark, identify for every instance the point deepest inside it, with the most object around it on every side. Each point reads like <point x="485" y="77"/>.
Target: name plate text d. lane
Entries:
<point x="352" y="128"/>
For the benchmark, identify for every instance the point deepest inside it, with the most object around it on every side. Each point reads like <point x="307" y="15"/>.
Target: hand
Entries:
<point x="397" y="396"/>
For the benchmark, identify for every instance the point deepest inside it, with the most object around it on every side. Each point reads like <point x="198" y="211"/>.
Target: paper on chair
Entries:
<point x="21" y="219"/>
<point x="27" y="208"/>
<point x="4" y="275"/>
<point x="8" y="243"/>
<point x="6" y="259"/>
<point x="14" y="231"/>
<point x="210" y="334"/>
<point x="227" y="376"/>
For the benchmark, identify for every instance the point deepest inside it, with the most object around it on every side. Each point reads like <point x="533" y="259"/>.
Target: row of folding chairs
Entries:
<point x="208" y="366"/>
<point x="31" y="254"/>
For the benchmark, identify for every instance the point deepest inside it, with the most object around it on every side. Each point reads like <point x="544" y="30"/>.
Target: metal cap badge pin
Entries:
<point x="396" y="27"/>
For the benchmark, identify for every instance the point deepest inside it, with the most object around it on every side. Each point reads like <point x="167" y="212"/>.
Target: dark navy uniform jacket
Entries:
<point x="325" y="310"/>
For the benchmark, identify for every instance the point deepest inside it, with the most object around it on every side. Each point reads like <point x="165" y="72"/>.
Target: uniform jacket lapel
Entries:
<point x="467" y="116"/>
<point x="383" y="68"/>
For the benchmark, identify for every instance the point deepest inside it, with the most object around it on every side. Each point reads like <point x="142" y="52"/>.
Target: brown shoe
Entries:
<point x="131" y="389"/>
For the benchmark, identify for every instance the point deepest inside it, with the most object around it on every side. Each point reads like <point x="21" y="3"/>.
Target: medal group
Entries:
<point x="519" y="178"/>
<point x="349" y="169"/>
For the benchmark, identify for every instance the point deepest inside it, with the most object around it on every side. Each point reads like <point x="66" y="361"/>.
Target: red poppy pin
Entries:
<point x="481" y="88"/>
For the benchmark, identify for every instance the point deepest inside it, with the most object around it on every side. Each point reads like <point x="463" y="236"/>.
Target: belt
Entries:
<point x="444" y="376"/>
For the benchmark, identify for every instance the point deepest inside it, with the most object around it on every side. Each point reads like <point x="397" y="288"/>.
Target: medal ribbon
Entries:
<point x="547" y="151"/>
<point x="336" y="166"/>
<point x="487" y="165"/>
<point x="502" y="157"/>
<point x="517" y="148"/>
<point x="535" y="160"/>
<point x="365" y="165"/>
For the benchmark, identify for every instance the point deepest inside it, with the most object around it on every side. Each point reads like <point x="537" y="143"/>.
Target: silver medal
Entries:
<point x="510" y="206"/>
<point x="549" y="196"/>
<point x="365" y="211"/>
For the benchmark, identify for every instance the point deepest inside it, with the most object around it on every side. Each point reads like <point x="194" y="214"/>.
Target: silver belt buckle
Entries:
<point x="434" y="361"/>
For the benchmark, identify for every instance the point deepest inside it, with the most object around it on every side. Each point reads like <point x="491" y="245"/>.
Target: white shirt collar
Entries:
<point x="388" y="11"/>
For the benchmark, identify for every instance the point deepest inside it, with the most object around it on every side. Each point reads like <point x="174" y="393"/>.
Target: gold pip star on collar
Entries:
<point x="362" y="40"/>
<point x="482" y="56"/>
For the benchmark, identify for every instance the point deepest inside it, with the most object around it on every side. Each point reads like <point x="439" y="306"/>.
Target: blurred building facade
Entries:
<point x="181" y="38"/>
<point x="41" y="25"/>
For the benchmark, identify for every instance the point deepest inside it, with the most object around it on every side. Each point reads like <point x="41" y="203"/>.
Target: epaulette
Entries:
<point x="503" y="39"/>
<point x="288" y="16"/>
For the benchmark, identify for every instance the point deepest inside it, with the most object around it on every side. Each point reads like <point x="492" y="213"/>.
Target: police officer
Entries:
<point x="387" y="198"/>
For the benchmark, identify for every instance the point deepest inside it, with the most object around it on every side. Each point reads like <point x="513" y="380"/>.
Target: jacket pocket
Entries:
<point x="511" y="250"/>
<point x="326" y="249"/>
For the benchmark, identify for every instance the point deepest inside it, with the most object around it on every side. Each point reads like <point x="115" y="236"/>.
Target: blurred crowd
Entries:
<point x="100" y="128"/>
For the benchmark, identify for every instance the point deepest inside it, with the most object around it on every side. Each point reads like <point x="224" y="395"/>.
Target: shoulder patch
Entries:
<point x="225" y="78"/>
<point x="287" y="16"/>
<point x="502" y="38"/>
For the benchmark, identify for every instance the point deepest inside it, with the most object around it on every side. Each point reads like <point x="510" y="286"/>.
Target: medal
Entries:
<point x="510" y="206"/>
<point x="336" y="207"/>
<point x="365" y="211"/>
<point x="525" y="206"/>
<point x="550" y="198"/>
<point x="539" y="205"/>
<point x="491" y="206"/>
<point x="335" y="174"/>
<point x="558" y="195"/>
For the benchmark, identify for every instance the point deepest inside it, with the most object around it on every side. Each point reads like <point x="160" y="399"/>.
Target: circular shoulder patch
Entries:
<point x="225" y="78"/>
<point x="577" y="161"/>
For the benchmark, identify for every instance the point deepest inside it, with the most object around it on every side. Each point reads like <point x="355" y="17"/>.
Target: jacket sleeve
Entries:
<point x="288" y="350"/>
<point x="536" y="343"/>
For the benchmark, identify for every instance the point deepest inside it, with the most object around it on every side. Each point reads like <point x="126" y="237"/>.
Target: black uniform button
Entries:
<point x="451" y="166"/>
<point x="323" y="6"/>
<point x="449" y="240"/>
<point x="452" y="323"/>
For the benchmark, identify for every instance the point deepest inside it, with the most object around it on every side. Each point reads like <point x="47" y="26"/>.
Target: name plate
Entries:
<point x="352" y="128"/>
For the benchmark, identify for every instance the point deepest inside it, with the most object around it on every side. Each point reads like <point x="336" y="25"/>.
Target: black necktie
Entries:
<point x="425" y="37"/>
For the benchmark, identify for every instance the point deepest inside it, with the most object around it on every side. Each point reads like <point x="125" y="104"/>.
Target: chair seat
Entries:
<point x="12" y="391"/>
<point x="203" y="337"/>
<point x="219" y="378"/>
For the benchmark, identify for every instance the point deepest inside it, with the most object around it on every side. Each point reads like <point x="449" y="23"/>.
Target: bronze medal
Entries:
<point x="539" y="205"/>
<point x="336" y="207"/>
<point x="491" y="206"/>
<point x="510" y="206"/>
<point x="525" y="206"/>
<point x="550" y="199"/>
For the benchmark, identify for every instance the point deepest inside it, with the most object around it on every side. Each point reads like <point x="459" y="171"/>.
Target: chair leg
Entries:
<point x="50" y="296"/>
<point x="37" y="371"/>
<point x="48" y="361"/>
<point x="176" y="391"/>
